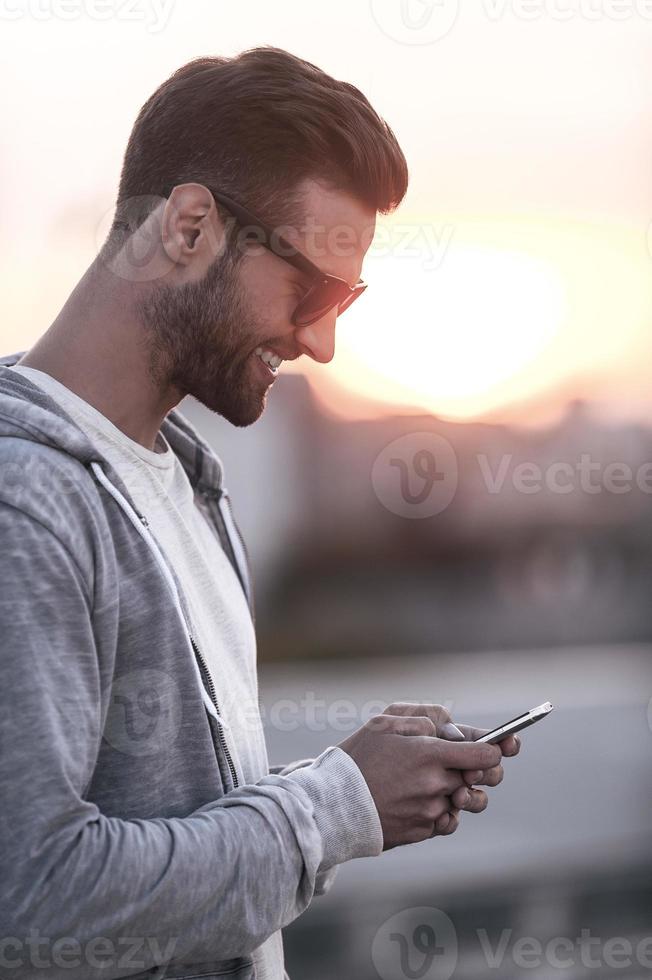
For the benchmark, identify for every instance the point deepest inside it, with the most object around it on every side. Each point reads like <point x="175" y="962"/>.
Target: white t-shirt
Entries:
<point x="221" y="621"/>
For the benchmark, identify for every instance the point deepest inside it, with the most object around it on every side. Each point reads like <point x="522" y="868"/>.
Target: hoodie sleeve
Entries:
<point x="289" y="767"/>
<point x="325" y="879"/>
<point x="215" y="884"/>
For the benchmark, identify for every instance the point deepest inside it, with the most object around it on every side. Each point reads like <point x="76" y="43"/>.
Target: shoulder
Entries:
<point x="50" y="486"/>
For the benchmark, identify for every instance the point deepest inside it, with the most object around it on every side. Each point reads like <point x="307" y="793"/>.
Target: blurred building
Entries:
<point x="546" y="540"/>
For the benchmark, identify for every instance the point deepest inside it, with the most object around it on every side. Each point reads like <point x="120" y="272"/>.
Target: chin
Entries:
<point x="242" y="414"/>
<point x="242" y="421"/>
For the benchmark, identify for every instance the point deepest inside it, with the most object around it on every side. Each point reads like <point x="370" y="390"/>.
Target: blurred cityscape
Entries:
<point x="515" y="590"/>
<point x="511" y="562"/>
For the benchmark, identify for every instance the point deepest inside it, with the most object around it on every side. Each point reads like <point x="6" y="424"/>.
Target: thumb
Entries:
<point x="451" y="732"/>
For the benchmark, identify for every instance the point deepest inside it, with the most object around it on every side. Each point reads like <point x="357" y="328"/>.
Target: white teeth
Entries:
<point x="273" y="360"/>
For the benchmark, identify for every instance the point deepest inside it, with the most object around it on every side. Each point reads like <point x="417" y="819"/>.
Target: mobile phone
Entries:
<point x="517" y="724"/>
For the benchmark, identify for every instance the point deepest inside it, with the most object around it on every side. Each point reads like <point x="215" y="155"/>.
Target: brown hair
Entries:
<point x="254" y="126"/>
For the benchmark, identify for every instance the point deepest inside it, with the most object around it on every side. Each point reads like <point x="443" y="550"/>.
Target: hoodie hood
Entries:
<point x="27" y="412"/>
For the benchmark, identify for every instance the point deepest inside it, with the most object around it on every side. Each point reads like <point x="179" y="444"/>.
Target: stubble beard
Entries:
<point x="199" y="339"/>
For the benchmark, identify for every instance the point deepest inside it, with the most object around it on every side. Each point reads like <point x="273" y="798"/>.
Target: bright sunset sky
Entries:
<point x="518" y="272"/>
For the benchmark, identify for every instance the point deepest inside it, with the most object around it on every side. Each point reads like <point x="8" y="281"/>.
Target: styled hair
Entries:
<point x="254" y="126"/>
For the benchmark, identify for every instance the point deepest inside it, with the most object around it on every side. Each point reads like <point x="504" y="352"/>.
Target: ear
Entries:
<point x="192" y="231"/>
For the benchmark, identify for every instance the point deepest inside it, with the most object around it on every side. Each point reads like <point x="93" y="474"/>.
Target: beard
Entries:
<point x="200" y="337"/>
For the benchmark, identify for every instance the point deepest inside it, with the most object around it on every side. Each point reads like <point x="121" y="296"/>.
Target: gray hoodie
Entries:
<point x="124" y="853"/>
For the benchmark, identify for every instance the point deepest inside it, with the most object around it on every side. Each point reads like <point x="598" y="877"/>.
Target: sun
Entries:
<point x="504" y="320"/>
<point x="449" y="337"/>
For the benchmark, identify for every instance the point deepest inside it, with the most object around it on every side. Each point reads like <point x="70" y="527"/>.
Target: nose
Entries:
<point x="318" y="339"/>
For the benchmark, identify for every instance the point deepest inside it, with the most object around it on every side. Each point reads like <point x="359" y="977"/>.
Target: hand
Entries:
<point x="478" y="800"/>
<point x="414" y="781"/>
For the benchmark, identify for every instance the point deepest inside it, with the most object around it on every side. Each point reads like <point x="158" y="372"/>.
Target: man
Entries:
<point x="143" y="832"/>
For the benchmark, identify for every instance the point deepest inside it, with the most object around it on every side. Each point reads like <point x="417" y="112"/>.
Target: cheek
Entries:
<point x="269" y="297"/>
<point x="254" y="282"/>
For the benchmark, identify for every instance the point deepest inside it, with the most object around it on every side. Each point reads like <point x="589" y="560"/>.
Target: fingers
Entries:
<point x="490" y="777"/>
<point x="441" y="825"/>
<point x="461" y="797"/>
<point x="467" y="755"/>
<point x="453" y="781"/>
<point x="472" y="734"/>
<point x="493" y="777"/>
<point x="438" y="714"/>
<point x="509" y="746"/>
<point x="447" y="824"/>
<point x="478" y="801"/>
<point x="444" y="727"/>
<point x="451" y="732"/>
<point x="403" y="725"/>
<point x="463" y="755"/>
<point x="472" y="776"/>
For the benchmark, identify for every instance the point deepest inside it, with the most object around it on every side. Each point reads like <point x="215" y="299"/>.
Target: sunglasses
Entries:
<point x="325" y="293"/>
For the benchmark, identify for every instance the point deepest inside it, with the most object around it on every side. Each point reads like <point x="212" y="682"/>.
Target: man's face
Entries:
<point x="203" y="334"/>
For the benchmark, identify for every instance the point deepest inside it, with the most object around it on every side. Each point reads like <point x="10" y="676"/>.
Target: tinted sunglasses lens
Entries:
<point x="346" y="302"/>
<point x="318" y="301"/>
<point x="323" y="298"/>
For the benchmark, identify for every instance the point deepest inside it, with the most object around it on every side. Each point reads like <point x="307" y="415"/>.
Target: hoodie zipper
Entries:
<point x="212" y="497"/>
<point x="245" y="552"/>
<point x="213" y="695"/>
<point x="141" y="524"/>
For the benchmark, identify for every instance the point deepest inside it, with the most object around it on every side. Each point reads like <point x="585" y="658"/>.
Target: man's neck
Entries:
<point x="95" y="348"/>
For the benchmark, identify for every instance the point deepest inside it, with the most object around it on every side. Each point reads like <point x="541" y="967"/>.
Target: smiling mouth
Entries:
<point x="271" y="360"/>
<point x="266" y="371"/>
